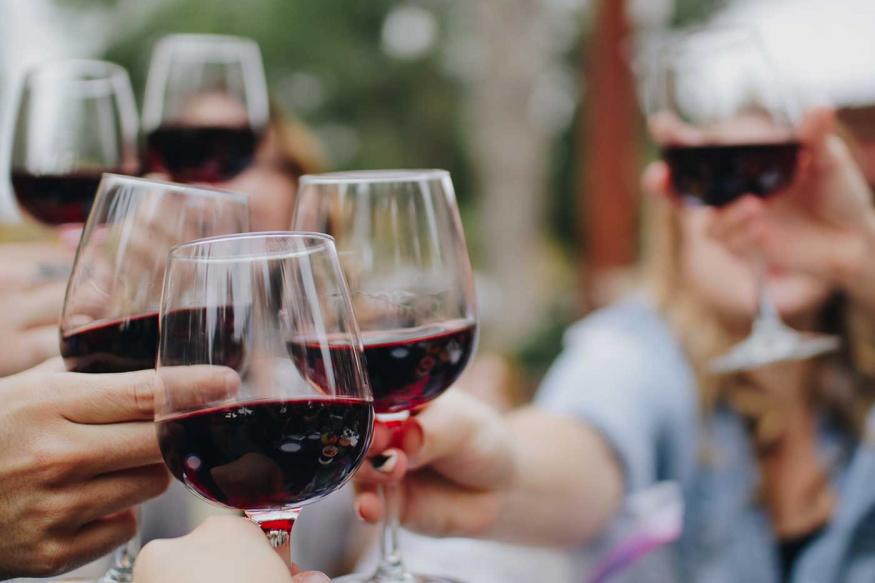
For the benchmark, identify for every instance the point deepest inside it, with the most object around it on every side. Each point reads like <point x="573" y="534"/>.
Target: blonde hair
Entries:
<point x="843" y="381"/>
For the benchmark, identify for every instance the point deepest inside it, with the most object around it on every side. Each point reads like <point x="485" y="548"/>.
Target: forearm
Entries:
<point x="567" y="483"/>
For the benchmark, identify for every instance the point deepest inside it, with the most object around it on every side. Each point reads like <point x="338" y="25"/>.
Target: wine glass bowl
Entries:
<point x="726" y="127"/>
<point x="75" y="120"/>
<point x="402" y="249"/>
<point x="206" y="107"/>
<point x="284" y="435"/>
<point x="109" y="322"/>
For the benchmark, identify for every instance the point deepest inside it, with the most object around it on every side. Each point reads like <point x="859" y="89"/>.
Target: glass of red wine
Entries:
<point x="726" y="125"/>
<point x="288" y="434"/>
<point x="403" y="252"/>
<point x="110" y="318"/>
<point x="206" y="107"/>
<point x="76" y="119"/>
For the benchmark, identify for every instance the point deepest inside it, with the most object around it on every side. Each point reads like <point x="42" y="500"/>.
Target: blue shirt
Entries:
<point x="624" y="373"/>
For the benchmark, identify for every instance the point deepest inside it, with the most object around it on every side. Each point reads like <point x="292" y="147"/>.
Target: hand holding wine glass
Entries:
<point x="76" y="120"/>
<point x="403" y="252"/>
<point x="727" y="128"/>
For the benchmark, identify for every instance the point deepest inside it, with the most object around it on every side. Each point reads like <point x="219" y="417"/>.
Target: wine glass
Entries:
<point x="274" y="308"/>
<point x="76" y="119"/>
<point x="206" y="107"/>
<point x="403" y="252"/>
<point x="727" y="128"/>
<point x="109" y="321"/>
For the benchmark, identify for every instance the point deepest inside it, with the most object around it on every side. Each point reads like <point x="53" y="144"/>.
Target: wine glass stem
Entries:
<point x="277" y="526"/>
<point x="391" y="566"/>
<point x="767" y="314"/>
<point x="122" y="570"/>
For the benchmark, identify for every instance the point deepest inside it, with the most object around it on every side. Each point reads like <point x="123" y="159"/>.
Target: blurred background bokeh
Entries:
<point x="496" y="91"/>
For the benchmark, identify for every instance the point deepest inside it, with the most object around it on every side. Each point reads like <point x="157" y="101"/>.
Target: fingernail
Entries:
<point x="312" y="577"/>
<point x="232" y="383"/>
<point x="385" y="462"/>
<point x="358" y="511"/>
<point x="414" y="437"/>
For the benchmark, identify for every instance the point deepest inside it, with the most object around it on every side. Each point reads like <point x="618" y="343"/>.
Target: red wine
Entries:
<point x="719" y="174"/>
<point x="130" y="344"/>
<point x="116" y="346"/>
<point x="407" y="368"/>
<point x="200" y="153"/>
<point x="56" y="199"/>
<point x="268" y="454"/>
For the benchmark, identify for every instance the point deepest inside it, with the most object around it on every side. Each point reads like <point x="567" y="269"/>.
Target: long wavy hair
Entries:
<point x="842" y="384"/>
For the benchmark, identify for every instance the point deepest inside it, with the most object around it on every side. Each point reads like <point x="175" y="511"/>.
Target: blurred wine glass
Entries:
<point x="206" y="107"/>
<point x="76" y="119"/>
<point x="110" y="318"/>
<point x="726" y="125"/>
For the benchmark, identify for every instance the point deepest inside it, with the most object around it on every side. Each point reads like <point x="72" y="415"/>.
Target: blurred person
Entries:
<point x="31" y="295"/>
<point x="79" y="452"/>
<point x="224" y="549"/>
<point x="775" y="464"/>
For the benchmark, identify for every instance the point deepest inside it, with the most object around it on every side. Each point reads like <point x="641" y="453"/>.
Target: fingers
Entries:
<point x="656" y="179"/>
<point x="110" y="494"/>
<point x="115" y="447"/>
<point x="438" y="507"/>
<point x="189" y="387"/>
<point x="37" y="345"/>
<point x="386" y="467"/>
<point x="101" y="536"/>
<point x="310" y="577"/>
<point x="368" y="505"/>
<point x="42" y="305"/>
<point x="106" y="398"/>
<point x="817" y="124"/>
<point x="738" y="226"/>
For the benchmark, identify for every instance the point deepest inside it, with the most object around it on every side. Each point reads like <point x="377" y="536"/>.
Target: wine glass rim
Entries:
<point x="205" y="191"/>
<point x="205" y="39"/>
<point x="374" y="176"/>
<point x="101" y="71"/>
<point x="714" y="36"/>
<point x="182" y="251"/>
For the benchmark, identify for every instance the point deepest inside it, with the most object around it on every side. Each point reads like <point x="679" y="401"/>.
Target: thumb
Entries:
<point x="817" y="126"/>
<point x="310" y="577"/>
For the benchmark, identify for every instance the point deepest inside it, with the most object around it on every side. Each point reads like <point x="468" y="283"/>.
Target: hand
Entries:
<point x="30" y="265"/>
<point x="529" y="477"/>
<point x="823" y="225"/>
<point x="458" y="452"/>
<point x="32" y="286"/>
<point x="77" y="452"/>
<point x="222" y="549"/>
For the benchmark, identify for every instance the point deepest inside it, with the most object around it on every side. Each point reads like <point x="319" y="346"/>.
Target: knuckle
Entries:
<point x="52" y="458"/>
<point x="51" y="557"/>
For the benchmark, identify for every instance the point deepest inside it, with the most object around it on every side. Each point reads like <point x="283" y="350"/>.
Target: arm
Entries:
<point x="530" y="477"/>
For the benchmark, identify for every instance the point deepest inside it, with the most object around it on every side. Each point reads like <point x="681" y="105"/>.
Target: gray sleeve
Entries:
<point x="624" y="374"/>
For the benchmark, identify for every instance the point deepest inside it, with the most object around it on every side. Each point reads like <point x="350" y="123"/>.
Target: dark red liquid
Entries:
<point x="130" y="344"/>
<point x="56" y="199"/>
<point x="116" y="346"/>
<point x="201" y="153"/>
<point x="268" y="455"/>
<point x="405" y="371"/>
<point x="718" y="175"/>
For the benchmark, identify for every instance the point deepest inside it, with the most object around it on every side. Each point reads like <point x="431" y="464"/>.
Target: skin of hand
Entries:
<point x="32" y="287"/>
<point x="77" y="452"/>
<point x="822" y="225"/>
<point x="222" y="549"/>
<point x="527" y="477"/>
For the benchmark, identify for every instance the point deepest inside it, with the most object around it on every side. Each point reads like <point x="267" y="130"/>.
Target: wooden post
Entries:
<point x="608" y="178"/>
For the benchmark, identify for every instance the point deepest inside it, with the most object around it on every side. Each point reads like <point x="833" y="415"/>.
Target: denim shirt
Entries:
<point x="624" y="373"/>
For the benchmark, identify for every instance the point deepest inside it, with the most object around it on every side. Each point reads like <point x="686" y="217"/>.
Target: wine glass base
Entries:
<point x="777" y="344"/>
<point x="406" y="578"/>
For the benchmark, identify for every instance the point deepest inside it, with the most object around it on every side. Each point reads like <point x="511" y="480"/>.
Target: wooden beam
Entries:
<point x="607" y="197"/>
